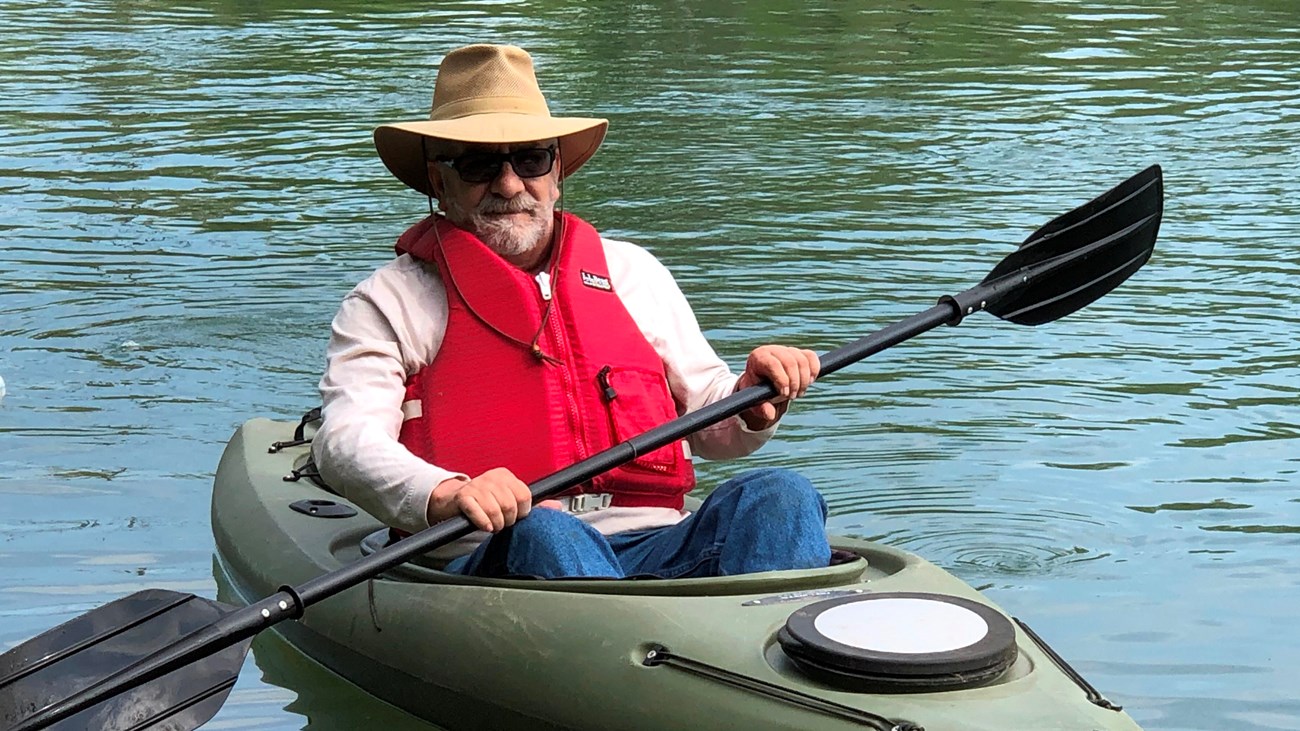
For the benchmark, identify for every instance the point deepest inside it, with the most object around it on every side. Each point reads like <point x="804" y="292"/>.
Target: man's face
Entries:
<point x="510" y="213"/>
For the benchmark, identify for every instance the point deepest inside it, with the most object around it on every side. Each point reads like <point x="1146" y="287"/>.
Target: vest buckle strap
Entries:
<point x="585" y="503"/>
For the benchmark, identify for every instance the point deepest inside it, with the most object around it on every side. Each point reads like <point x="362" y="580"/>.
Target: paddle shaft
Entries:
<point x="290" y="602"/>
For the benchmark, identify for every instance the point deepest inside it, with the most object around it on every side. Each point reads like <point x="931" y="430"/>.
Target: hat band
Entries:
<point x="490" y="105"/>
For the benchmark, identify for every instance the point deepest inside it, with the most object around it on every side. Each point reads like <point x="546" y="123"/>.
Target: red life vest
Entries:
<point x="535" y="385"/>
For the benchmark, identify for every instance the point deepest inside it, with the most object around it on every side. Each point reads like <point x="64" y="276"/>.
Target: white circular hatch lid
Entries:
<point x="914" y="639"/>
<point x="902" y="625"/>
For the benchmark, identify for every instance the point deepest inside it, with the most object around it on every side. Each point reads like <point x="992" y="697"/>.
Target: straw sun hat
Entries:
<point x="489" y="95"/>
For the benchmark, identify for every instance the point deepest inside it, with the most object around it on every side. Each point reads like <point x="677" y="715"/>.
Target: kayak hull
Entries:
<point x="470" y="654"/>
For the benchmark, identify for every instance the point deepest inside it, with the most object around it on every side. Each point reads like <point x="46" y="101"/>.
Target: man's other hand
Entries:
<point x="790" y="370"/>
<point x="492" y="501"/>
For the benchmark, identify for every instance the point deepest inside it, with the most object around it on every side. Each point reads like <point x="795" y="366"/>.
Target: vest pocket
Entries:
<point x="638" y="401"/>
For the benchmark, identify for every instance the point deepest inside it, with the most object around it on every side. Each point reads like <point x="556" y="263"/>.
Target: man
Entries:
<point x="508" y="341"/>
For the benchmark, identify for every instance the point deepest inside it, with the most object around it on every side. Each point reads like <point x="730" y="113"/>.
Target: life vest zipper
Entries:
<point x="544" y="284"/>
<point x="602" y="379"/>
<point x="567" y="376"/>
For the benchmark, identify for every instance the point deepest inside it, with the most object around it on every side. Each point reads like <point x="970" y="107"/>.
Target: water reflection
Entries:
<point x="323" y="700"/>
<point x="320" y="699"/>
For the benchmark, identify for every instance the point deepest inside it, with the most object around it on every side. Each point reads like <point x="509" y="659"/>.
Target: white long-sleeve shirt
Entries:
<point x="391" y="326"/>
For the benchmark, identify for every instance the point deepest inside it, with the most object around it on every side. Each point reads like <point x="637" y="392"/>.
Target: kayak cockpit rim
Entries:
<point x="869" y="561"/>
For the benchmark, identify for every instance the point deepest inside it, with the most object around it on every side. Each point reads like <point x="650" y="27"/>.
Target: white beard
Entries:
<point x="506" y="237"/>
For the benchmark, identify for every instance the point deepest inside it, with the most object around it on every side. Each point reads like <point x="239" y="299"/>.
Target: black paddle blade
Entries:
<point x="1088" y="252"/>
<point x="95" y="646"/>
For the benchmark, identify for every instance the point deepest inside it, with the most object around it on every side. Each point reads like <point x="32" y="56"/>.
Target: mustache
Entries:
<point x="521" y="203"/>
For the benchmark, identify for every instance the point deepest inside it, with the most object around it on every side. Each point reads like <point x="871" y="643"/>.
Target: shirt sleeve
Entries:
<point x="362" y="391"/>
<point x="697" y="377"/>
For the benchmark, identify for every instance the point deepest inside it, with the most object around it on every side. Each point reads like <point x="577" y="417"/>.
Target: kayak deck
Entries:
<point x="471" y="653"/>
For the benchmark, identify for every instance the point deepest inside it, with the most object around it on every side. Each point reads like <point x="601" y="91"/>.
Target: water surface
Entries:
<point x="187" y="190"/>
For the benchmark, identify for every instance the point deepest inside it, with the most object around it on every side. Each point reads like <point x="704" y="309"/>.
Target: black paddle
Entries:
<point x="117" y="667"/>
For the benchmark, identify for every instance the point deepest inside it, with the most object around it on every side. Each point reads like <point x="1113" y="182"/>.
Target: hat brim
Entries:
<point x="401" y="147"/>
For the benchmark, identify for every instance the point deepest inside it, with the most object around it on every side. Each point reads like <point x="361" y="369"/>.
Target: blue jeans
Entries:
<point x="766" y="520"/>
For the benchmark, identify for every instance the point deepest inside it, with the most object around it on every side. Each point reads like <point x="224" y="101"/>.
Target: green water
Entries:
<point x="188" y="189"/>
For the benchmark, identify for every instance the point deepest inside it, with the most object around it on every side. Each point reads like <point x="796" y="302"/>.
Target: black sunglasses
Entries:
<point x="484" y="167"/>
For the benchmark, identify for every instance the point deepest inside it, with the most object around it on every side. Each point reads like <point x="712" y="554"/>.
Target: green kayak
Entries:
<point x="882" y="639"/>
<point x="826" y="648"/>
